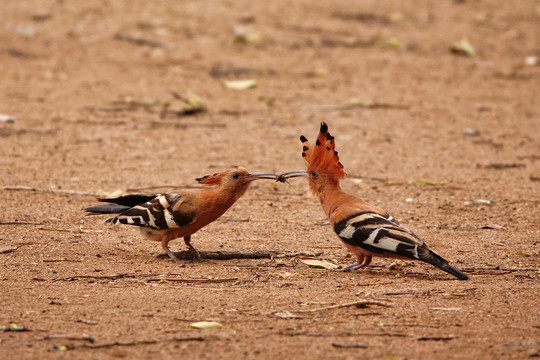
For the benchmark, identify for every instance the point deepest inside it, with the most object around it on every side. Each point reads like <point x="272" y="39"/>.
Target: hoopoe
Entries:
<point x="165" y="217"/>
<point x="365" y="230"/>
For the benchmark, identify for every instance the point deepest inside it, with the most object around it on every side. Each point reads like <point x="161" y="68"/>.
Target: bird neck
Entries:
<point x="331" y="197"/>
<point x="226" y="196"/>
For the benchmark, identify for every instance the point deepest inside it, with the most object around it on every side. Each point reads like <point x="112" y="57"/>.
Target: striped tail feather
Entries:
<point x="442" y="264"/>
<point x="120" y="204"/>
<point x="106" y="209"/>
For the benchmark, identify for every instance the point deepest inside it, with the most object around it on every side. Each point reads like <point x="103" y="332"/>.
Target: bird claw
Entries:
<point x="352" y="267"/>
<point x="195" y="253"/>
<point x="177" y="260"/>
<point x="171" y="255"/>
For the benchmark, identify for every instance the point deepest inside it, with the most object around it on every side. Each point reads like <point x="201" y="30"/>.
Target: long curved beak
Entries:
<point x="291" y="174"/>
<point x="260" y="176"/>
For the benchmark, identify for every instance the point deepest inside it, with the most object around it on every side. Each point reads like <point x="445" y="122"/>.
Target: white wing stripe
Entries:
<point x="348" y="232"/>
<point x="169" y="219"/>
<point x="163" y="201"/>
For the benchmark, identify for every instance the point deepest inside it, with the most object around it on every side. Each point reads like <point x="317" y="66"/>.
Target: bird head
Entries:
<point x="235" y="180"/>
<point x="322" y="161"/>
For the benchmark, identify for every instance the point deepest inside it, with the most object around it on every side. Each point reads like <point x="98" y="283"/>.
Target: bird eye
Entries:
<point x="313" y="173"/>
<point x="235" y="176"/>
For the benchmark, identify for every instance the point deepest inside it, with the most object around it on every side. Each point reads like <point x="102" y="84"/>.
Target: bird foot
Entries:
<point x="352" y="267"/>
<point x="171" y="255"/>
<point x="196" y="255"/>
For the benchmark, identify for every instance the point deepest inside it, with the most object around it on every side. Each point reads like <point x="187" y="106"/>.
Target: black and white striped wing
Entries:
<point x="157" y="213"/>
<point x="380" y="234"/>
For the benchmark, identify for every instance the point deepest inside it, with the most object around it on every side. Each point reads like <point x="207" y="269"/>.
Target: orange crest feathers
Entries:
<point x="214" y="179"/>
<point x="322" y="158"/>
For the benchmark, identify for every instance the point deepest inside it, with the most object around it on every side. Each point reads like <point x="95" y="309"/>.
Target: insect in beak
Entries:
<point x="291" y="174"/>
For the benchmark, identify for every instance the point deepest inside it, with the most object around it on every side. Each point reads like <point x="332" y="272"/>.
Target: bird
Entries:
<point x="165" y="217"/>
<point x="365" y="229"/>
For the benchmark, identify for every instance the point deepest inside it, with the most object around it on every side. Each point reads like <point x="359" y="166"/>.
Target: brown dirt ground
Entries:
<point x="88" y="83"/>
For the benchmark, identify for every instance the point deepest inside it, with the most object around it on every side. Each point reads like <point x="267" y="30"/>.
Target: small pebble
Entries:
<point x="482" y="202"/>
<point x="409" y="200"/>
<point x="7" y="118"/>
<point x="470" y="131"/>
<point x="531" y="60"/>
<point x="25" y="30"/>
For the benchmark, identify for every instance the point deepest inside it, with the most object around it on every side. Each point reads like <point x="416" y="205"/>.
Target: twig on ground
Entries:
<point x="20" y="223"/>
<point x="222" y="255"/>
<point x="229" y="255"/>
<point x="194" y="281"/>
<point x="258" y="266"/>
<point x="347" y="334"/>
<point x="177" y="125"/>
<point x="287" y="255"/>
<point x="119" y="343"/>
<point x="413" y="325"/>
<point x="367" y="314"/>
<point x="437" y="338"/>
<point x="337" y="306"/>
<point x="153" y="278"/>
<point x="55" y="337"/>
<point x="80" y="230"/>
<point x="467" y="228"/>
<point x="59" y="191"/>
<point x="225" y="219"/>
<point x="137" y="40"/>
<point x="499" y="166"/>
<point x="497" y="268"/>
<point x="59" y="230"/>
<point x="8" y="249"/>
<point x="409" y="292"/>
<point x="102" y="277"/>
<point x="455" y="227"/>
<point x="350" y="346"/>
<point x="366" y="105"/>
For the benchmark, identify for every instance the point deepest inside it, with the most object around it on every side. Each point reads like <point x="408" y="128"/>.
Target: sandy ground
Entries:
<point x="447" y="143"/>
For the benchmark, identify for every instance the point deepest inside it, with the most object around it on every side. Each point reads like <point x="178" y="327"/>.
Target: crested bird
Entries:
<point x="165" y="217"/>
<point x="365" y="229"/>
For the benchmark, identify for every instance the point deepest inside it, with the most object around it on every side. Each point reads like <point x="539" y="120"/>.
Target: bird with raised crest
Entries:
<point x="165" y="217"/>
<point x="365" y="230"/>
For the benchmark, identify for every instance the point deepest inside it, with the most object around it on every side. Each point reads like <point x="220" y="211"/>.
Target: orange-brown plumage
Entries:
<point x="165" y="217"/>
<point x="365" y="230"/>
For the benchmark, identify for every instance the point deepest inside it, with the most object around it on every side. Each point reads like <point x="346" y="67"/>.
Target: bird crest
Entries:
<point x="217" y="178"/>
<point x="214" y="179"/>
<point x="322" y="158"/>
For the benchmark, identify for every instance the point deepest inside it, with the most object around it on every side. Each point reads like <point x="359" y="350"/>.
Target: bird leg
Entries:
<point x="352" y="267"/>
<point x="196" y="255"/>
<point x="366" y="262"/>
<point x="171" y="254"/>
<point x="362" y="262"/>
